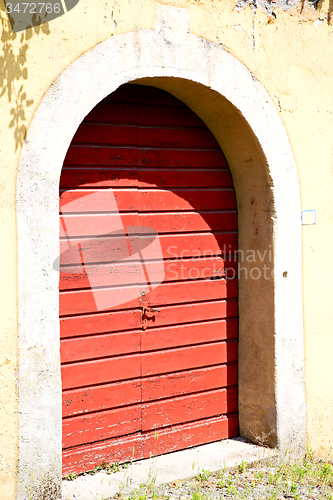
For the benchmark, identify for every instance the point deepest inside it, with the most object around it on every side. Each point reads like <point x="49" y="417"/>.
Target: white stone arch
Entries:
<point x="169" y="53"/>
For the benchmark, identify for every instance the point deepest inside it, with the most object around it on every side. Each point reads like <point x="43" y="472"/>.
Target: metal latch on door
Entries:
<point x="145" y="311"/>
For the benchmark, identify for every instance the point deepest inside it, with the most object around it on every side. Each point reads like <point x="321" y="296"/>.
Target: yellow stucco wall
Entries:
<point x="290" y="55"/>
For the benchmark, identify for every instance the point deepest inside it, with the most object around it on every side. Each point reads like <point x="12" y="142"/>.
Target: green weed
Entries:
<point x="204" y="475"/>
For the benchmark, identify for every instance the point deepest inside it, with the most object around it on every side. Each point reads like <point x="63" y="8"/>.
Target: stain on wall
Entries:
<point x="308" y="9"/>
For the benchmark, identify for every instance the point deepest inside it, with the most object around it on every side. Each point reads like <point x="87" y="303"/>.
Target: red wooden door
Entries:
<point x="146" y="196"/>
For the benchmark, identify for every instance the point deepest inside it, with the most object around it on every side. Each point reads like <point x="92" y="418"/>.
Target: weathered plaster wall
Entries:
<point x="288" y="52"/>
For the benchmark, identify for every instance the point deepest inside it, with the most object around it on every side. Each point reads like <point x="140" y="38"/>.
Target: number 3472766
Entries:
<point x="33" y="8"/>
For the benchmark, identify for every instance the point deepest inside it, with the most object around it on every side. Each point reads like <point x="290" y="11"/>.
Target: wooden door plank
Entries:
<point x="192" y="291"/>
<point x="87" y="224"/>
<point x="113" y="112"/>
<point x="101" y="425"/>
<point x="99" y="346"/>
<point x="94" y="201"/>
<point x="166" y="116"/>
<point x="188" y="382"/>
<point x="188" y="408"/>
<point x="100" y="371"/>
<point x="84" y="301"/>
<point x="101" y="156"/>
<point x="96" y="275"/>
<point x="187" y="435"/>
<point x="170" y="316"/>
<point x="85" y="458"/>
<point x="99" y="323"/>
<point x="198" y="245"/>
<point x="96" y="134"/>
<point x="186" y="358"/>
<point x="101" y="397"/>
<point x="175" y="137"/>
<point x="188" y="334"/>
<point x="183" y="178"/>
<point x="123" y="273"/>
<point x="185" y="199"/>
<point x="179" y="222"/>
<point x="162" y="178"/>
<point x="117" y="247"/>
<point x="143" y="157"/>
<point x="96" y="177"/>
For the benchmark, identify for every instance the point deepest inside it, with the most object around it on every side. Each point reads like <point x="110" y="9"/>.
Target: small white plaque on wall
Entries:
<point x="308" y="217"/>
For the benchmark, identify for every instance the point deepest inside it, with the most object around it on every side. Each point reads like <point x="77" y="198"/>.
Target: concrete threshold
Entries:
<point x="166" y="468"/>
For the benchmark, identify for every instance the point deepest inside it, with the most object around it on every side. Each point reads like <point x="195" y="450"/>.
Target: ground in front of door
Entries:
<point x="258" y="475"/>
<point x="171" y="468"/>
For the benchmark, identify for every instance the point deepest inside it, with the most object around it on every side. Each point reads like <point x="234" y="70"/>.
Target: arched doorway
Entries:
<point x="148" y="283"/>
<point x="236" y="108"/>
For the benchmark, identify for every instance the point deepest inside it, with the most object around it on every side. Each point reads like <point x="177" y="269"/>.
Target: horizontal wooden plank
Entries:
<point x="158" y="200"/>
<point x="97" y="300"/>
<point x="175" y="137"/>
<point x="132" y="135"/>
<point x="109" y="370"/>
<point x="107" y="396"/>
<point x="92" y="177"/>
<point x="198" y="244"/>
<point x="184" y="178"/>
<point x="167" y="116"/>
<point x="98" y="156"/>
<point x="100" y="323"/>
<point x="100" y="371"/>
<point x="190" y="313"/>
<point x="188" y="408"/>
<point x="197" y="268"/>
<point x="100" y="397"/>
<point x="118" y="135"/>
<point x="184" y="436"/>
<point x="84" y="458"/>
<point x="188" y="382"/>
<point x="110" y="201"/>
<point x="169" y="315"/>
<point x="163" y="223"/>
<point x="136" y="446"/>
<point x="112" y="248"/>
<point x="186" y="199"/>
<point x="186" y="358"/>
<point x="115" y="112"/>
<point x="143" y="114"/>
<point x="91" y="301"/>
<point x="99" y="346"/>
<point x="143" y="157"/>
<point x="78" y="277"/>
<point x="95" y="224"/>
<point x="171" y="222"/>
<point x="188" y="334"/>
<point x="86" y="429"/>
<point x="143" y="178"/>
<point x="117" y="247"/>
